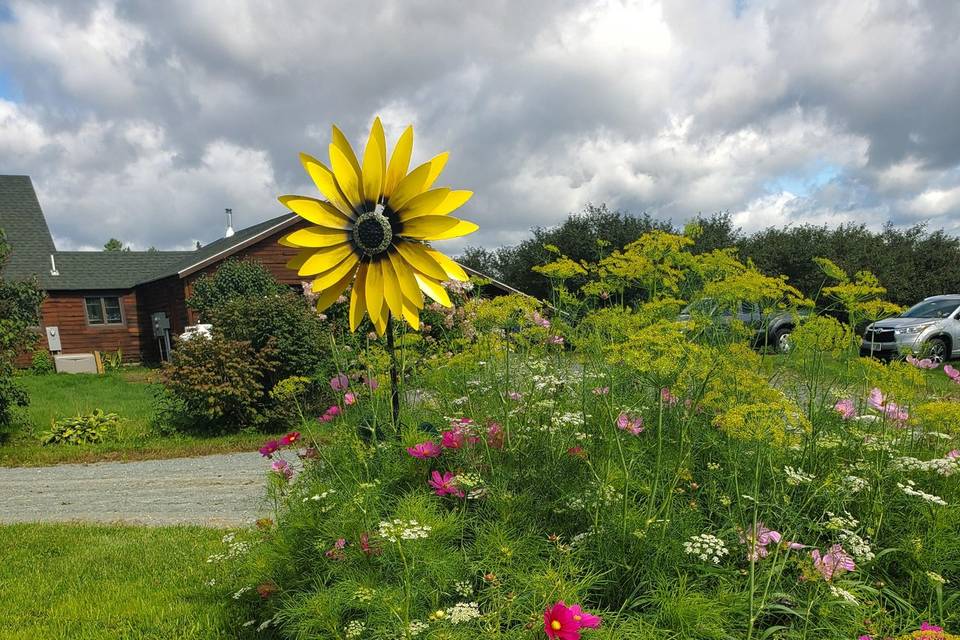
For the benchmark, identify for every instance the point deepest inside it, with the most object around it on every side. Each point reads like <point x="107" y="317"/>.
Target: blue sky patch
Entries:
<point x="805" y="182"/>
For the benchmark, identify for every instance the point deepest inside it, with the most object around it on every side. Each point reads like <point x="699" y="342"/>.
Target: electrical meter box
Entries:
<point x="161" y="324"/>
<point x="53" y="339"/>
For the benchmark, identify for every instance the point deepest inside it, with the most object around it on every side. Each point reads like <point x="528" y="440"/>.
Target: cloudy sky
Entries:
<point x="143" y="120"/>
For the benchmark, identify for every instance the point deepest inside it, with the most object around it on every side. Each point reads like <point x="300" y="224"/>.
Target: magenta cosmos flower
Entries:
<point x="758" y="539"/>
<point x="559" y="623"/>
<point x="349" y="398"/>
<point x="584" y="619"/>
<point x="921" y="363"/>
<point x="290" y="438"/>
<point x="339" y="382"/>
<point x="282" y="468"/>
<point x="926" y="626"/>
<point x="444" y="485"/>
<point x="952" y="373"/>
<point x="424" y="450"/>
<point x="269" y="448"/>
<point x="495" y="435"/>
<point x="667" y="397"/>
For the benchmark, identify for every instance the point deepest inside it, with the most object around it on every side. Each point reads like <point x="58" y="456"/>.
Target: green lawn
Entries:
<point x="128" y="393"/>
<point x="98" y="583"/>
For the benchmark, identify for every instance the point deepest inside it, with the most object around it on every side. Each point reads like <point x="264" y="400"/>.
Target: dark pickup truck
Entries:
<point x="770" y="329"/>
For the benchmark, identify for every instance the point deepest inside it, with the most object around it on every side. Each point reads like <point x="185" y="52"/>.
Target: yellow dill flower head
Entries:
<point x="780" y="423"/>
<point x="939" y="415"/>
<point x="822" y="334"/>
<point x="563" y="268"/>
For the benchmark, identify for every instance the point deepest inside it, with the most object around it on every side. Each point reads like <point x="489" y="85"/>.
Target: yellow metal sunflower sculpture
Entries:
<point x="374" y="229"/>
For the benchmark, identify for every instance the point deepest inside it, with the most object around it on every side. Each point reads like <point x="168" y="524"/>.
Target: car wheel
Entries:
<point x="781" y="339"/>
<point x="937" y="350"/>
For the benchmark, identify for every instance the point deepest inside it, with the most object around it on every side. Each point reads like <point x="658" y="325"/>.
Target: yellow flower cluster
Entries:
<point x="779" y="422"/>
<point x="938" y="415"/>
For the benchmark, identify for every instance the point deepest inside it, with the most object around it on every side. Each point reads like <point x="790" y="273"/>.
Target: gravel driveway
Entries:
<point x="219" y="490"/>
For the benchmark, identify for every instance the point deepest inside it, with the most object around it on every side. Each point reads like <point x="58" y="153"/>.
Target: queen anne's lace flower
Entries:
<point x="463" y="612"/>
<point x="797" y="476"/>
<point x="706" y="547"/>
<point x="397" y="530"/>
<point x="910" y="489"/>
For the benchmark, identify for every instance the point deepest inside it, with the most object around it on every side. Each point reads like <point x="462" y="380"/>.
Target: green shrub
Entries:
<point x="42" y="362"/>
<point x="234" y="280"/>
<point x="299" y="338"/>
<point x="82" y="429"/>
<point x="218" y="384"/>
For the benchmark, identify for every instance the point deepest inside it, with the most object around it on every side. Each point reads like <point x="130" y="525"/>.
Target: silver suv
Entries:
<point x="930" y="328"/>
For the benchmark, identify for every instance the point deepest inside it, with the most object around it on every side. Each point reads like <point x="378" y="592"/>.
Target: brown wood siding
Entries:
<point x="66" y="311"/>
<point x="267" y="252"/>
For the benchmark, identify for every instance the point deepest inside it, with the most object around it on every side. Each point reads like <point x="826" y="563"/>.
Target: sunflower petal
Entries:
<point x="454" y="201"/>
<point x="373" y="290"/>
<point x="408" y="284"/>
<point x="417" y="257"/>
<point x="332" y="276"/>
<point x="330" y="295"/>
<point x="462" y="228"/>
<point x="341" y="142"/>
<point x="411" y="314"/>
<point x="325" y="259"/>
<point x="374" y="164"/>
<point x="417" y="181"/>
<point x="327" y="184"/>
<point x="297" y="261"/>
<point x="348" y="178"/>
<point x="315" y="237"/>
<point x="434" y="289"/>
<point x="427" y="227"/>
<point x="436" y="166"/>
<point x="380" y="322"/>
<point x="453" y="270"/>
<point x="424" y="204"/>
<point x="358" y="305"/>
<point x="317" y="211"/>
<point x="399" y="162"/>
<point x="391" y="289"/>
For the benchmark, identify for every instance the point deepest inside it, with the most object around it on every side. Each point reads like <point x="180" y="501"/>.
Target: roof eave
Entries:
<point x="229" y="251"/>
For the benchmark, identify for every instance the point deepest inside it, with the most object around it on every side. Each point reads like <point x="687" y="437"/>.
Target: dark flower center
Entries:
<point x="372" y="233"/>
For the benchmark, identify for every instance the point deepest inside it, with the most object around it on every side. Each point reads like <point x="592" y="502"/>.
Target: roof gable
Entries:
<point x="26" y="229"/>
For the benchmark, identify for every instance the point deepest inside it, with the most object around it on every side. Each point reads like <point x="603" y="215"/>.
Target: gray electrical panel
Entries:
<point x="53" y="339"/>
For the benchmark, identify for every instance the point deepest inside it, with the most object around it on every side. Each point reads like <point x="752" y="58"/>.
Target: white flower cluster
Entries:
<point x="707" y="547"/>
<point x="797" y="476"/>
<point x="854" y="484"/>
<point x="911" y="490"/>
<point x="604" y="495"/>
<point x="416" y="627"/>
<point x="355" y="629"/>
<point x="942" y="466"/>
<point x="239" y="593"/>
<point x="463" y="612"/>
<point x="397" y="530"/>
<point x="364" y="594"/>
<point x="858" y="547"/>
<point x="464" y="588"/>
<point x="235" y="549"/>
<point x="841" y="523"/>
<point x="842" y="594"/>
<point x="713" y="466"/>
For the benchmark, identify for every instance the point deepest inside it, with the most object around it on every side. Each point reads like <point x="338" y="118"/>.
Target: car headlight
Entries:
<point x="910" y="330"/>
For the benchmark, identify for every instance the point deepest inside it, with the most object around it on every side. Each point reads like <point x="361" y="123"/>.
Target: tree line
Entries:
<point x="912" y="263"/>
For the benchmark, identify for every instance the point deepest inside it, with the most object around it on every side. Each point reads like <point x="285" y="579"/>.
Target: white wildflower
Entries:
<point x="797" y="476"/>
<point x="464" y="588"/>
<point x="854" y="484"/>
<point x="910" y="489"/>
<point x="364" y="594"/>
<point x="397" y="530"/>
<point x="842" y="594"/>
<point x="706" y="547"/>
<point x="416" y="627"/>
<point x="463" y="612"/>
<point x="355" y="629"/>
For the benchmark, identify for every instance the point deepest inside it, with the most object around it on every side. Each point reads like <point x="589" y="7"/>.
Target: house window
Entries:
<point x="105" y="310"/>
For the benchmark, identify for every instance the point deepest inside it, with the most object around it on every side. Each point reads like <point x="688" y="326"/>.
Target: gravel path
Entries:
<point x="219" y="490"/>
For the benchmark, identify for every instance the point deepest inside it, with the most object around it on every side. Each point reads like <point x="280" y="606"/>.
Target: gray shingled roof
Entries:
<point x="26" y="229"/>
<point x="31" y="246"/>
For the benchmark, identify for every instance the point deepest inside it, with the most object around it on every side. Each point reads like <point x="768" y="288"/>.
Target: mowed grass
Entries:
<point x="83" y="582"/>
<point x="130" y="393"/>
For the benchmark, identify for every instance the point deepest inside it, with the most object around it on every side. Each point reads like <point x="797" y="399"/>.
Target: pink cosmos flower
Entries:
<point x="952" y="373"/>
<point x="864" y="638"/>
<point x="371" y="383"/>
<point x="269" y="448"/>
<point x="495" y="435"/>
<point x="339" y="382"/>
<point x="349" y="398"/>
<point x="559" y="623"/>
<point x="758" y="539"/>
<point x="368" y="549"/>
<point x="845" y="408"/>
<point x="953" y="454"/>
<point x="336" y="553"/>
<point x="631" y="423"/>
<point x="584" y="619"/>
<point x="444" y="485"/>
<point x="424" y="450"/>
<point x="516" y="396"/>
<point x="875" y="399"/>
<point x="290" y="438"/>
<point x="835" y="562"/>
<point x="892" y="410"/>
<point x="557" y="340"/>
<point x="539" y="320"/>
<point x="601" y="391"/>
<point x="926" y="626"/>
<point x="921" y="363"/>
<point x="282" y="468"/>
<point x="668" y="398"/>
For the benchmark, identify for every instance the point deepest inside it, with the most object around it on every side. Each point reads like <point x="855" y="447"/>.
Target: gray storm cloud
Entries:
<point x="143" y="120"/>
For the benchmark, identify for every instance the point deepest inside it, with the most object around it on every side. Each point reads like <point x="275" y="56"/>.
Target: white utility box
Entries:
<point x="76" y="363"/>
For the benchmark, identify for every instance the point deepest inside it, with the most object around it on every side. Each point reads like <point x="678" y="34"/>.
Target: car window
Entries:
<point x="932" y="309"/>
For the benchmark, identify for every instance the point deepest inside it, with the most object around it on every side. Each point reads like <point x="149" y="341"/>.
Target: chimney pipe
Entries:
<point x="53" y="266"/>
<point x="229" y="231"/>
